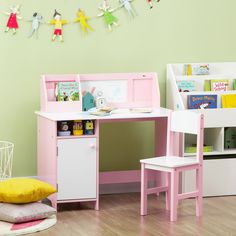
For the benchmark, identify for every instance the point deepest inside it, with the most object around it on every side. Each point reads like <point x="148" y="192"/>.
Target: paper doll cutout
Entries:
<point x="150" y="3"/>
<point x="127" y="5"/>
<point x="12" y="20"/>
<point x="109" y="19"/>
<point x="82" y="19"/>
<point x="58" y="25"/>
<point x="36" y="20"/>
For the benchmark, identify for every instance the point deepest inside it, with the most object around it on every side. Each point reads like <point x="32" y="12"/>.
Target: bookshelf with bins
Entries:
<point x="220" y="126"/>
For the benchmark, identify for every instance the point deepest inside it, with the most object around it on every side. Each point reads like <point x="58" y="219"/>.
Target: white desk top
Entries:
<point x="118" y="114"/>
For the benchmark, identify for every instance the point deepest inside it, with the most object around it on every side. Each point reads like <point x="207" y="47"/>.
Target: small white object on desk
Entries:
<point x="141" y="109"/>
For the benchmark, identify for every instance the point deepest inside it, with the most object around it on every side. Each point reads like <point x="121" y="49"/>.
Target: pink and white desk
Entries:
<point x="71" y="163"/>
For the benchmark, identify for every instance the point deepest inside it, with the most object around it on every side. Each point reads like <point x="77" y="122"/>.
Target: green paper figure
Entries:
<point x="109" y="19"/>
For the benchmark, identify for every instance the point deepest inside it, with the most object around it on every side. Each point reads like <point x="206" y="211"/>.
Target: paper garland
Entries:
<point x="12" y="20"/>
<point x="109" y="19"/>
<point x="127" y="5"/>
<point x="58" y="25"/>
<point x="36" y="20"/>
<point x="81" y="18"/>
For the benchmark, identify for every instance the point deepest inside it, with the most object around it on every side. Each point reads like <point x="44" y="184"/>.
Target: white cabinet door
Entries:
<point x="76" y="168"/>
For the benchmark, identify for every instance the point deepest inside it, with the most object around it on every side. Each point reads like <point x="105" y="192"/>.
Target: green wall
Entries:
<point x="173" y="31"/>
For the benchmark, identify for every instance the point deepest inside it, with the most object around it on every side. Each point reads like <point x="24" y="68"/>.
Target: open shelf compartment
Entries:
<point x="48" y="100"/>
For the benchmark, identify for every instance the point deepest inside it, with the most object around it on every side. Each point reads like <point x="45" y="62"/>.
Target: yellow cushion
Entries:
<point x="24" y="190"/>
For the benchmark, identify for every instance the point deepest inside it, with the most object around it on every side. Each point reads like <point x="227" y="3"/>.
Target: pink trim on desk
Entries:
<point x="46" y="150"/>
<point x="143" y="89"/>
<point x="97" y="163"/>
<point x="127" y="176"/>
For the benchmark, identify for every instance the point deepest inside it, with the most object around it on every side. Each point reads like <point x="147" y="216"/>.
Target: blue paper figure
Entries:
<point x="36" y="21"/>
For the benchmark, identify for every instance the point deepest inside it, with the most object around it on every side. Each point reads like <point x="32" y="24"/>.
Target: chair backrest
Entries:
<point x="186" y="122"/>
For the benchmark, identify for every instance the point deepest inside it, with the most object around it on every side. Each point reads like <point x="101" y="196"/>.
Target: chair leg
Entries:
<point x="174" y="194"/>
<point x="167" y="180"/>
<point x="144" y="180"/>
<point x="199" y="188"/>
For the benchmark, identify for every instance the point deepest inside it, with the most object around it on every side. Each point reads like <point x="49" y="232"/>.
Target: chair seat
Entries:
<point x="170" y="161"/>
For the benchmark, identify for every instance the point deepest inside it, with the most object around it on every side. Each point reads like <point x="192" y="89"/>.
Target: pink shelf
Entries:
<point x="48" y="101"/>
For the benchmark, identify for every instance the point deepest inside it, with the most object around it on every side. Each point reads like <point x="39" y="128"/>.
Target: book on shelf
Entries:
<point x="228" y="100"/>
<point x="186" y="85"/>
<point x="234" y="84"/>
<point x="219" y="85"/>
<point x="207" y="85"/>
<point x="196" y="69"/>
<point x="103" y="111"/>
<point x="201" y="69"/>
<point x="201" y="101"/>
<point x="67" y="91"/>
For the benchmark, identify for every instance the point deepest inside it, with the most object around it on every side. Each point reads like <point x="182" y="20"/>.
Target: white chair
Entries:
<point x="179" y="122"/>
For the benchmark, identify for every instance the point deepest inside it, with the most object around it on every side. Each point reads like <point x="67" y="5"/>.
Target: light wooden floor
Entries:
<point x="119" y="215"/>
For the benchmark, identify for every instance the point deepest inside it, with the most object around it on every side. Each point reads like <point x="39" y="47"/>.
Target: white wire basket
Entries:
<point x="6" y="159"/>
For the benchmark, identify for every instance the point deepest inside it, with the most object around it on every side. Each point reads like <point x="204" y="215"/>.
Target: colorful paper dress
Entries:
<point x="12" y="21"/>
<point x="109" y="18"/>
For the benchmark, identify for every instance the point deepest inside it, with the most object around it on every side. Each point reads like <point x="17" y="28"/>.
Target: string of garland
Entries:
<point x="36" y="20"/>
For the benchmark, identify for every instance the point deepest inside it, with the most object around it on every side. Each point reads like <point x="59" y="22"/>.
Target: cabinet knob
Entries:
<point x="92" y="145"/>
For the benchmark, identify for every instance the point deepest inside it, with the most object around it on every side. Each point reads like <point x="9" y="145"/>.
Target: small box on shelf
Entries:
<point x="230" y="138"/>
<point x="78" y="128"/>
<point x="192" y="149"/>
<point x="89" y="127"/>
<point x="64" y="128"/>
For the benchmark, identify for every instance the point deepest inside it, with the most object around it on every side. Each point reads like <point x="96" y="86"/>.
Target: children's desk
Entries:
<point x="71" y="163"/>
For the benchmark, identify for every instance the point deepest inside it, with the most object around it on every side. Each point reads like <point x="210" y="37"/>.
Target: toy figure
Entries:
<point x="100" y="100"/>
<point x="127" y="5"/>
<point x="108" y="17"/>
<point x="82" y="19"/>
<point x="58" y="22"/>
<point x="88" y="127"/>
<point x="88" y="100"/>
<point x="12" y="20"/>
<point x="150" y="3"/>
<point x="36" y="20"/>
<point x="78" y="127"/>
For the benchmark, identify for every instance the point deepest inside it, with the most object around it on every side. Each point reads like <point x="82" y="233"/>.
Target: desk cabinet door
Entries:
<point x="76" y="170"/>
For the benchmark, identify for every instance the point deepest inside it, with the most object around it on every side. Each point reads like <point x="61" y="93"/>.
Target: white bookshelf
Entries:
<point x="221" y="162"/>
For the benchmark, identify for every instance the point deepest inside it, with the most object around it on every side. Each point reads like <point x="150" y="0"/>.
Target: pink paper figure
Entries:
<point x="12" y="20"/>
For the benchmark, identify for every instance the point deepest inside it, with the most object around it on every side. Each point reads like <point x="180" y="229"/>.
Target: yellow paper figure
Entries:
<point x="82" y="19"/>
<point x="58" y="22"/>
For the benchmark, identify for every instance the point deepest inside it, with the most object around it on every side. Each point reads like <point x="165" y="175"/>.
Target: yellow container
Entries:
<point x="77" y="132"/>
<point x="78" y="128"/>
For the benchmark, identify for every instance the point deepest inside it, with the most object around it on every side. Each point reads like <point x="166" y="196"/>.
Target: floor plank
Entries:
<point x="119" y="215"/>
